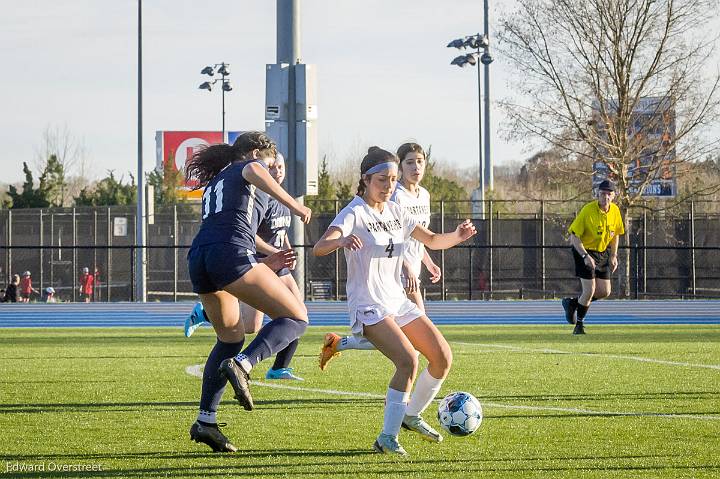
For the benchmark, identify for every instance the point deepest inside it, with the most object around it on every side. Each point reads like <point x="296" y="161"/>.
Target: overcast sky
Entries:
<point x="384" y="75"/>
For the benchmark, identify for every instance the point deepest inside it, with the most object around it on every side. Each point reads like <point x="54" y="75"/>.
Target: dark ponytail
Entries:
<point x="375" y="156"/>
<point x="210" y="160"/>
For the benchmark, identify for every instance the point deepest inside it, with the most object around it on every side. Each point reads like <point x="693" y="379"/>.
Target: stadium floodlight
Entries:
<point x="457" y="43"/>
<point x="464" y="60"/>
<point x="478" y="43"/>
<point x="224" y="71"/>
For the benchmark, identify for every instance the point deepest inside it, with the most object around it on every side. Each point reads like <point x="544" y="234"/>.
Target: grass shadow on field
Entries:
<point x="584" y="397"/>
<point x="244" y="453"/>
<point x="304" y="404"/>
<point x="575" y="415"/>
<point x="89" y="407"/>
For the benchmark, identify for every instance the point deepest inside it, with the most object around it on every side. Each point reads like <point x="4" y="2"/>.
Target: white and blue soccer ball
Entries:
<point x="460" y="413"/>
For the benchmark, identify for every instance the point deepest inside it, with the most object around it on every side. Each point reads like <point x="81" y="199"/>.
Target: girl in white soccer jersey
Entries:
<point x="374" y="232"/>
<point x="415" y="201"/>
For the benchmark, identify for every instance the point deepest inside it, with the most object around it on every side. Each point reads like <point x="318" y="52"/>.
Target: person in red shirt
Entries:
<point x="26" y="287"/>
<point x="87" y="281"/>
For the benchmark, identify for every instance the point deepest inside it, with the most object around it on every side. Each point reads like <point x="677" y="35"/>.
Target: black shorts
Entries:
<point x="214" y="266"/>
<point x="602" y="265"/>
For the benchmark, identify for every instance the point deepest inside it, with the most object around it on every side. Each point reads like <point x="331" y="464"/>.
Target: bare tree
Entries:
<point x="593" y="69"/>
<point x="69" y="153"/>
<point x="590" y="66"/>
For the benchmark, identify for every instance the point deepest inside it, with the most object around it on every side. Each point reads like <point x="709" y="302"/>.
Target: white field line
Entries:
<point x="597" y="355"/>
<point x="196" y="370"/>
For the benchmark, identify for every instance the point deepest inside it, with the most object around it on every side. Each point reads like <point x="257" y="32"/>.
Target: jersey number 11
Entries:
<point x="217" y="191"/>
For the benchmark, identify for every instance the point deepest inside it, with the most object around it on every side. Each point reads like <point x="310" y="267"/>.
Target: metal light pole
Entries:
<point x="140" y="253"/>
<point x="222" y="69"/>
<point x="288" y="52"/>
<point x="486" y="59"/>
<point x="477" y="42"/>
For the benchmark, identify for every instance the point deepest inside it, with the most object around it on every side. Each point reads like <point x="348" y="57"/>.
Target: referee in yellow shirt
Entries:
<point x="594" y="235"/>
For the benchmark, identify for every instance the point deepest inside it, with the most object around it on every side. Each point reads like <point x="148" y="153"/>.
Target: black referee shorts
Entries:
<point x="602" y="265"/>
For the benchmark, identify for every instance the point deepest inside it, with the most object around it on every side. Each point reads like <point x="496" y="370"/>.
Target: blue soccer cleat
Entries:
<point x="195" y="320"/>
<point x="282" y="373"/>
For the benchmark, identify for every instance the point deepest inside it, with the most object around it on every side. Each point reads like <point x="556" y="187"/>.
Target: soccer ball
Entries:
<point x="460" y="413"/>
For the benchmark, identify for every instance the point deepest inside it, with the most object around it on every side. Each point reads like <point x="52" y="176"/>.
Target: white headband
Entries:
<point x="382" y="166"/>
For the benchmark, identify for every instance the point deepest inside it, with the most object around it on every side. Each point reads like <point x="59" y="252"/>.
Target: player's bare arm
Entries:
<point x="464" y="231"/>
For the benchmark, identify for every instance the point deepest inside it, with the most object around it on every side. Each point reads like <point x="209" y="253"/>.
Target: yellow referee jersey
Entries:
<point x="595" y="228"/>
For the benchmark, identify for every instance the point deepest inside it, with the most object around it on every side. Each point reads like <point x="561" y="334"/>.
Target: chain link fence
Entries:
<point x="521" y="251"/>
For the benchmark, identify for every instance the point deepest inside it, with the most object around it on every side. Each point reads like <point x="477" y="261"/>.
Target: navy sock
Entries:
<point x="582" y="311"/>
<point x="213" y="384"/>
<point x="274" y="337"/>
<point x="283" y="358"/>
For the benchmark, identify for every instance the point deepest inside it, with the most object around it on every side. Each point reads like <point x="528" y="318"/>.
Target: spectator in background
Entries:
<point x="11" y="291"/>
<point x="96" y="282"/>
<point x="26" y="287"/>
<point x="87" y="282"/>
<point x="50" y="295"/>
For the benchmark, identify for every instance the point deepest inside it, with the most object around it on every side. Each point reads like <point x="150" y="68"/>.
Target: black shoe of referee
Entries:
<point x="570" y="307"/>
<point x="210" y="434"/>
<point x="239" y="380"/>
<point x="579" y="328"/>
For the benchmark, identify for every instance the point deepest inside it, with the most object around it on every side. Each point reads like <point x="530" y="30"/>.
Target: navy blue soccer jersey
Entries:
<point x="275" y="223"/>
<point x="232" y="209"/>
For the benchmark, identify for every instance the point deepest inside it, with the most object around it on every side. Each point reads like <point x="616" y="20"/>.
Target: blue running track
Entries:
<point x="329" y="313"/>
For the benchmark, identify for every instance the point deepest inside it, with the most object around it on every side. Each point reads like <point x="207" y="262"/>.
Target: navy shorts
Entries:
<point x="602" y="265"/>
<point x="214" y="266"/>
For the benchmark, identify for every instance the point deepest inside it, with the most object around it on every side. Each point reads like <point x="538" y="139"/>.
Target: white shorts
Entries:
<point x="373" y="314"/>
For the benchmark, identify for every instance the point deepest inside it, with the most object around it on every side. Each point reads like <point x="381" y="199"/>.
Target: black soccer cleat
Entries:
<point x="579" y="328"/>
<point x="570" y="308"/>
<point x="239" y="380"/>
<point x="211" y="436"/>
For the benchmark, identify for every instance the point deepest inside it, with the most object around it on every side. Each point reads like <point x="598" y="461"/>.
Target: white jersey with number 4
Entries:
<point x="418" y="208"/>
<point x="373" y="271"/>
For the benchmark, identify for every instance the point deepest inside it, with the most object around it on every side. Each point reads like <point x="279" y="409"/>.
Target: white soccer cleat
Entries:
<point x="387" y="444"/>
<point x="417" y="424"/>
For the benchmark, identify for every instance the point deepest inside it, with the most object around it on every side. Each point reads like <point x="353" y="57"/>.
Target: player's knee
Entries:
<point x="441" y="363"/>
<point x="602" y="294"/>
<point x="407" y="365"/>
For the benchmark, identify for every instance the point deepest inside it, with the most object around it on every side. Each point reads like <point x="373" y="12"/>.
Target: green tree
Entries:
<point x="108" y="192"/>
<point x="166" y="183"/>
<point x="30" y="197"/>
<point x="53" y="181"/>
<point x="322" y="202"/>
<point x="443" y="189"/>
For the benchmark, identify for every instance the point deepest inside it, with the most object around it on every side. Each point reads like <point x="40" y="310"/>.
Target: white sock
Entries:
<point x="354" y="342"/>
<point x="426" y="388"/>
<point x="243" y="361"/>
<point x="207" y="416"/>
<point x="395" y="406"/>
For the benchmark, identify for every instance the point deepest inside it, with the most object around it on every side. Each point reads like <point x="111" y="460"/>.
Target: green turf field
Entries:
<point x="621" y="402"/>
